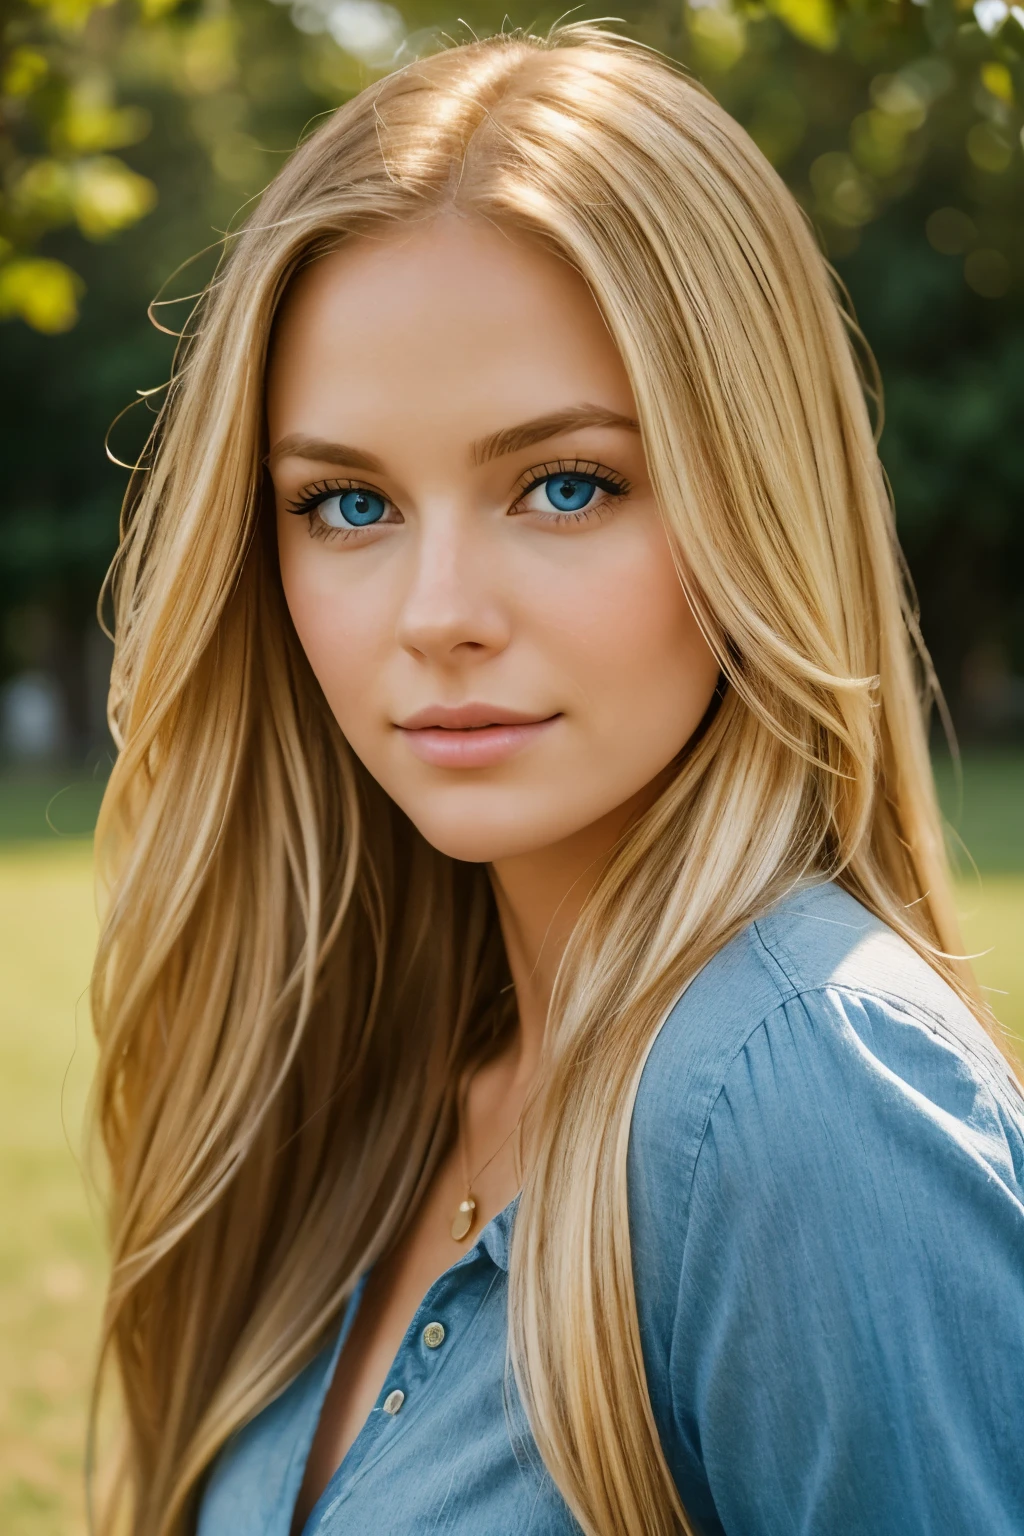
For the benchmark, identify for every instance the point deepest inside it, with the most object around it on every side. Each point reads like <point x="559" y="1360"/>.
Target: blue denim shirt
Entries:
<point x="826" y="1194"/>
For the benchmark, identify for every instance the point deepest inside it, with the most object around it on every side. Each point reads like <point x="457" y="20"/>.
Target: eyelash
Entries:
<point x="323" y="490"/>
<point x="609" y="481"/>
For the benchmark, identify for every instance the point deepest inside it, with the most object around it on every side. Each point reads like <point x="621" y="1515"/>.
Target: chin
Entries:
<point x="478" y="843"/>
<point x="486" y="835"/>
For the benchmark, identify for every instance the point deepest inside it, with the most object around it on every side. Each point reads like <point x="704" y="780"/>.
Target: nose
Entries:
<point x="452" y="609"/>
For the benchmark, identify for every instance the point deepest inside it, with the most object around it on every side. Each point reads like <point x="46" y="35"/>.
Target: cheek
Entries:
<point x="645" y="672"/>
<point x="340" y="627"/>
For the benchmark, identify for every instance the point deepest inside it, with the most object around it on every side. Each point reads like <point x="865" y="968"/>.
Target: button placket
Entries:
<point x="432" y="1335"/>
<point x="416" y="1368"/>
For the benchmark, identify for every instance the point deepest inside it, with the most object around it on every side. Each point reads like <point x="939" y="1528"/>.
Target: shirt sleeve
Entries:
<point x="848" y="1347"/>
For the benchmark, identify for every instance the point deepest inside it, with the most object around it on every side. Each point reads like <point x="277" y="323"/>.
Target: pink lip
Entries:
<point x="470" y="735"/>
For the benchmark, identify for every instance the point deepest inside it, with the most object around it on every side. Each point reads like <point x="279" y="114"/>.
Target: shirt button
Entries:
<point x="433" y="1335"/>
<point x="393" y="1401"/>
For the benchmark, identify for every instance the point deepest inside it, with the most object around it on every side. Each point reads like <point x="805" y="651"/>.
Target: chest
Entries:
<point x="445" y="1447"/>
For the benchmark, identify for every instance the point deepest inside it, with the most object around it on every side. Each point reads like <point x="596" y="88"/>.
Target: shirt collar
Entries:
<point x="497" y="1235"/>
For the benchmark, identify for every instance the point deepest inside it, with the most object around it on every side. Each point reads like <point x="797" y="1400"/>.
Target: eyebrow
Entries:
<point x="513" y="439"/>
<point x="508" y="440"/>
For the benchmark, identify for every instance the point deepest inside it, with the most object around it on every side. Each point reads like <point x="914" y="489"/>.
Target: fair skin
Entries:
<point x="497" y="624"/>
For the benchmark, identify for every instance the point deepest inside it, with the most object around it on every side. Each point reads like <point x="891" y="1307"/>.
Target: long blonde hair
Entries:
<point x="289" y="978"/>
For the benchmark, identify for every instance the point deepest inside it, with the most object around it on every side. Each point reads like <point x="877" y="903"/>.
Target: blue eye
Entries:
<point x="577" y="491"/>
<point x="569" y="493"/>
<point x="352" y="509"/>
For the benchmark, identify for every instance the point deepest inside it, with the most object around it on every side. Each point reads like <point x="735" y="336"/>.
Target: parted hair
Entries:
<point x="289" y="979"/>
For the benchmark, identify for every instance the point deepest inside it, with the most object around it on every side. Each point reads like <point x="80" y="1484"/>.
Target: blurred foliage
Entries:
<point x="60" y="122"/>
<point x="882" y="98"/>
<point x="853" y="99"/>
<point x="133" y="132"/>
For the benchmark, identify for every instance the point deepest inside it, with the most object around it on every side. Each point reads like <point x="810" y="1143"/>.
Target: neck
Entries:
<point x="540" y="896"/>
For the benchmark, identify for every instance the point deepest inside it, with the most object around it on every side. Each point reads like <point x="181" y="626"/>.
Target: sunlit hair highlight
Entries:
<point x="289" y="978"/>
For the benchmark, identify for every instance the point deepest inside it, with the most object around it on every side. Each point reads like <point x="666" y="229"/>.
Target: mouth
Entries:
<point x="471" y="735"/>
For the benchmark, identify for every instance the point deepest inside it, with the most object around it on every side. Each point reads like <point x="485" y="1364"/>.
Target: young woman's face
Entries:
<point x="470" y="546"/>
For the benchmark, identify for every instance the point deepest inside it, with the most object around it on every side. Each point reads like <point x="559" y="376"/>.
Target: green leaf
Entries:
<point x="43" y="293"/>
<point x="812" y="21"/>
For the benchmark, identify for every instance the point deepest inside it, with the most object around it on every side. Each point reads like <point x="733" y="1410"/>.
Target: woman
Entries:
<point x="529" y="936"/>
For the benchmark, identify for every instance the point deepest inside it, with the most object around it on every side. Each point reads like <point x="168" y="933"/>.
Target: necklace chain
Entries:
<point x="465" y="1216"/>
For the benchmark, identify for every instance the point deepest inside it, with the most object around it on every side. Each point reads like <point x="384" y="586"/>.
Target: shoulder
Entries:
<point x="812" y="1003"/>
<point x="826" y="1195"/>
<point x="816" y="1070"/>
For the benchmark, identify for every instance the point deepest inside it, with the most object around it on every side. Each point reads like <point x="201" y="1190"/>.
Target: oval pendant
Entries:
<point x="462" y="1224"/>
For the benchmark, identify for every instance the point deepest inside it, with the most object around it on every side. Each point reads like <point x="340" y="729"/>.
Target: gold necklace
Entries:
<point x="465" y="1215"/>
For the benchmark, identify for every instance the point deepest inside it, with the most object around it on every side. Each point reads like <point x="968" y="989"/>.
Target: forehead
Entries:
<point x="449" y="318"/>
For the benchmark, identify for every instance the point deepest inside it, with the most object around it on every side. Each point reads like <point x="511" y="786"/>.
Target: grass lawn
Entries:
<point x="51" y="1262"/>
<point x="50" y="1248"/>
